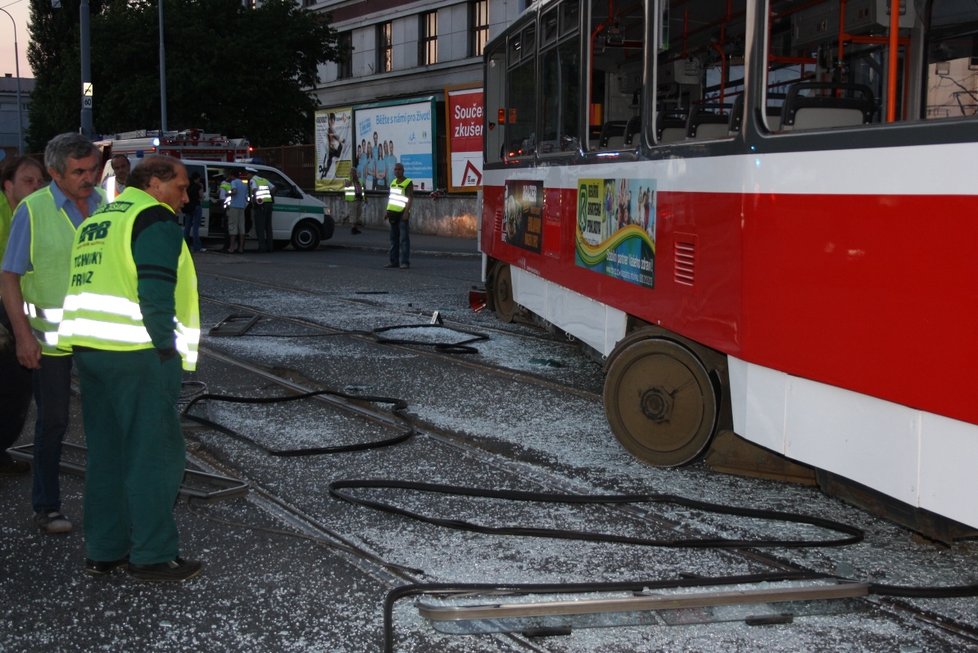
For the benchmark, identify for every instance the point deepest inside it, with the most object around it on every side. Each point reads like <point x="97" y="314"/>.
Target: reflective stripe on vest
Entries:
<point x="225" y="188"/>
<point x="45" y="284"/>
<point x="263" y="189"/>
<point x="350" y="192"/>
<point x="101" y="309"/>
<point x="397" y="201"/>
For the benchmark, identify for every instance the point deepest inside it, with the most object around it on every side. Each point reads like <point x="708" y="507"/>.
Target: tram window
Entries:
<point x="495" y="99"/>
<point x="952" y="61"/>
<point x="548" y="27"/>
<point x="616" y="47"/>
<point x="561" y="95"/>
<point x="700" y="72"/>
<point x="521" y="95"/>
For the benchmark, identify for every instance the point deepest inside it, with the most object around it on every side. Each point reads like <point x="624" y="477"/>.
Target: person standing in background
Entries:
<point x="120" y="177"/>
<point x="353" y="193"/>
<point x="192" y="212"/>
<point x="19" y="177"/>
<point x="263" y="195"/>
<point x="236" y="212"/>
<point x="33" y="283"/>
<point x="398" y="211"/>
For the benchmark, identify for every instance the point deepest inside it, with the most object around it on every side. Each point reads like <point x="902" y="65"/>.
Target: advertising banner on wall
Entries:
<point x="616" y="228"/>
<point x="464" y="108"/>
<point x="334" y="147"/>
<point x="390" y="133"/>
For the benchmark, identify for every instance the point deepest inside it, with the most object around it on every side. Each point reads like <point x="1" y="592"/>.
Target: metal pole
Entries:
<point x="86" y="72"/>
<point x="20" y="109"/>
<point x="162" y="76"/>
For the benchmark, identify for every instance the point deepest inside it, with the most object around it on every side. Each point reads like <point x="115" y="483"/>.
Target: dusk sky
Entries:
<point x="20" y="10"/>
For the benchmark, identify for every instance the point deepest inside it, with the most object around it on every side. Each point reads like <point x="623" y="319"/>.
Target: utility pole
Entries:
<point x="162" y="76"/>
<point x="20" y="108"/>
<point x="86" y="73"/>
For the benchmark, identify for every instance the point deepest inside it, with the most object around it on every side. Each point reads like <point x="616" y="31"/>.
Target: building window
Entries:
<point x="429" y="37"/>
<point x="480" y="27"/>
<point x="385" y="47"/>
<point x="344" y="67"/>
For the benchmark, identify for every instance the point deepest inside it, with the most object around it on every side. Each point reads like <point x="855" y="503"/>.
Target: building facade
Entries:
<point x="12" y="124"/>
<point x="406" y="55"/>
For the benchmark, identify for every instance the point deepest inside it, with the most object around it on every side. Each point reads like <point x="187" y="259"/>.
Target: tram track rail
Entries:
<point x="419" y="349"/>
<point x="900" y="609"/>
<point x="364" y="301"/>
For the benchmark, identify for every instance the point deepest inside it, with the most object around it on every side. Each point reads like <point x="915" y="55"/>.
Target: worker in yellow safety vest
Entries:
<point x="33" y="284"/>
<point x="353" y="194"/>
<point x="19" y="176"/>
<point x="398" y="211"/>
<point x="132" y="318"/>
<point x="263" y="194"/>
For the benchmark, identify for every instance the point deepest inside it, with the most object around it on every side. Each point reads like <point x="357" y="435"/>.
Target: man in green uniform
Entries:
<point x="131" y="316"/>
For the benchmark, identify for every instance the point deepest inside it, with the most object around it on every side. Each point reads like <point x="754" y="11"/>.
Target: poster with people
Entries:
<point x="334" y="148"/>
<point x="616" y="228"/>
<point x="395" y="133"/>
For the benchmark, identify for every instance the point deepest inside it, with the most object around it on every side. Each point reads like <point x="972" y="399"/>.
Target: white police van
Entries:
<point x="297" y="218"/>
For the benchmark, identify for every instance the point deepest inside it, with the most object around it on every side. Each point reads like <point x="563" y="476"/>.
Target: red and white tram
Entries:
<point x="764" y="213"/>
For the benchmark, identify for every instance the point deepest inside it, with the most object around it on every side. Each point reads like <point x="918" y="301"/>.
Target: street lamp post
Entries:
<point x="20" y="109"/>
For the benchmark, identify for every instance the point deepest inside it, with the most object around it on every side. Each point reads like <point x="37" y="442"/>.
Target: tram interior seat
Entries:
<point x="633" y="132"/>
<point x="772" y="113"/>
<point x="835" y="105"/>
<point x="670" y="127"/>
<point x="612" y="135"/>
<point x="707" y="125"/>
<point x="736" y="116"/>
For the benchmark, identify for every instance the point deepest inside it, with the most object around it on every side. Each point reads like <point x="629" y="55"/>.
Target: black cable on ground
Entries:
<point x="461" y="347"/>
<point x="397" y="406"/>
<point x="854" y="535"/>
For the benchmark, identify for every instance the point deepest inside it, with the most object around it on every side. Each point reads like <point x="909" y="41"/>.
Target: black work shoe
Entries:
<point x="391" y="265"/>
<point x="176" y="570"/>
<point x="355" y="231"/>
<point x="103" y="567"/>
<point x="52" y="522"/>
<point x="14" y="468"/>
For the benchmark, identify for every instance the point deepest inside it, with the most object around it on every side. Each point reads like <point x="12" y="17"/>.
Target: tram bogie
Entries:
<point x="759" y="212"/>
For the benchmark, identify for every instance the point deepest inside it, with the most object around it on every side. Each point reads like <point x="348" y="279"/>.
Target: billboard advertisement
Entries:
<point x="334" y="147"/>
<point x="616" y="228"/>
<point x="389" y="133"/>
<point x="464" y="116"/>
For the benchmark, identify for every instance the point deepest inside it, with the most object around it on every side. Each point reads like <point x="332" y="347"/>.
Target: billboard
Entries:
<point x="464" y="116"/>
<point x="334" y="147"/>
<point x="397" y="132"/>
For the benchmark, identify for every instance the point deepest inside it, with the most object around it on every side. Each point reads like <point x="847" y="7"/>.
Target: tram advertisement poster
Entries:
<point x="616" y="228"/>
<point x="523" y="214"/>
<point x="334" y="153"/>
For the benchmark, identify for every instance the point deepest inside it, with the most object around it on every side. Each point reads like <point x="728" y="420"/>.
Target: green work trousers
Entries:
<point x="136" y="454"/>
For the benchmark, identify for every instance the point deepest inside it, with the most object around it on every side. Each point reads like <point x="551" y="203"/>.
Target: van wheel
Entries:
<point x="305" y="236"/>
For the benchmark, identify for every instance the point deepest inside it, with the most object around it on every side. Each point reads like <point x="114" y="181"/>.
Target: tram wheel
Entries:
<point x="502" y="294"/>
<point x="660" y="402"/>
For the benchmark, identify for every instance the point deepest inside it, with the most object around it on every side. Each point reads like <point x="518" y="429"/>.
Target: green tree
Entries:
<point x="229" y="69"/>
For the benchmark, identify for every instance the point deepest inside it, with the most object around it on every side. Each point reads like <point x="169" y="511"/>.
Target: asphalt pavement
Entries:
<point x="259" y="590"/>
